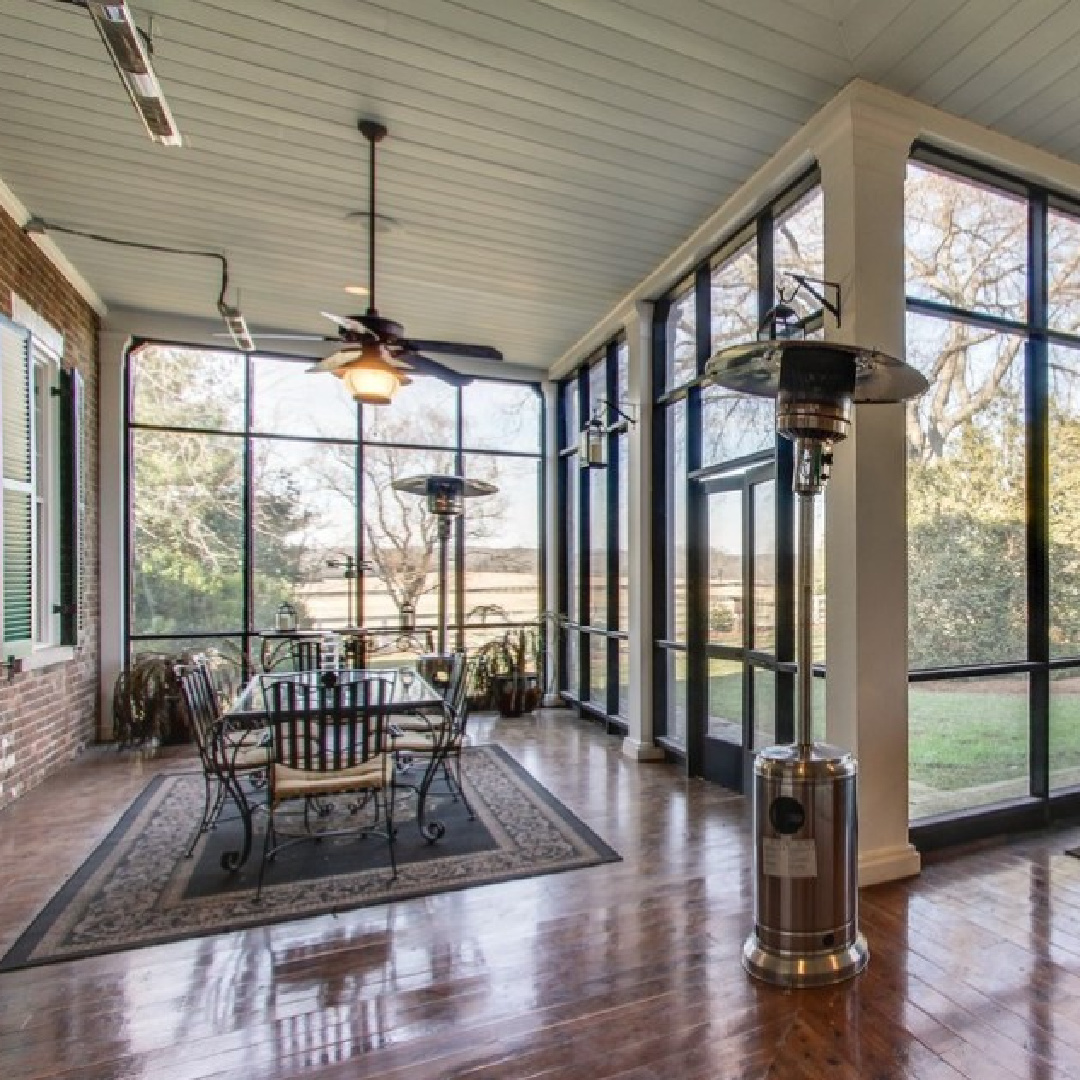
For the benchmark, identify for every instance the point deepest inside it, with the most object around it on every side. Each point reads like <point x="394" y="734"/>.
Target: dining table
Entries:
<point x="410" y="693"/>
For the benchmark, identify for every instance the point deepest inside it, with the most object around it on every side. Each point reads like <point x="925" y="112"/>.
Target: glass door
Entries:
<point x="737" y="628"/>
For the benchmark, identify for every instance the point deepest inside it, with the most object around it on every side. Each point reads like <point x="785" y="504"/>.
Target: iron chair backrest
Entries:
<point x="455" y="677"/>
<point x="324" y="728"/>
<point x="200" y="707"/>
<point x="306" y="654"/>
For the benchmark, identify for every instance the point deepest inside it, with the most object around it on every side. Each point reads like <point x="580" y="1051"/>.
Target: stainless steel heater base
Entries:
<point x="804" y="969"/>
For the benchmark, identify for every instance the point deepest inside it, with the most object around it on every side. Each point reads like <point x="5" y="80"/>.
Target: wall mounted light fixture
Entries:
<point x="784" y="321"/>
<point x="592" y="445"/>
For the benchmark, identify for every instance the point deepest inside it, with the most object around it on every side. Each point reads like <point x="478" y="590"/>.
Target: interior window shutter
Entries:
<point x="18" y="490"/>
<point x="71" y="494"/>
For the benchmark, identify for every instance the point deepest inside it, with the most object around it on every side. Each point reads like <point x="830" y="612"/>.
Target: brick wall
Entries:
<point x="48" y="715"/>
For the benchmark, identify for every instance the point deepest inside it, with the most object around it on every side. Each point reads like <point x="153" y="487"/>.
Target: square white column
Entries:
<point x="863" y="157"/>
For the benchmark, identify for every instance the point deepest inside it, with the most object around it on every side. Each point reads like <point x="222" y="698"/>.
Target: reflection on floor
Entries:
<point x="627" y="970"/>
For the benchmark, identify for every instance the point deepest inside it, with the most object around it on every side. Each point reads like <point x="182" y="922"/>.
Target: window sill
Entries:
<point x="45" y="658"/>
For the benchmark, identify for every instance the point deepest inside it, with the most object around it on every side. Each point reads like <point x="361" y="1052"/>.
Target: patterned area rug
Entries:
<point x="138" y="888"/>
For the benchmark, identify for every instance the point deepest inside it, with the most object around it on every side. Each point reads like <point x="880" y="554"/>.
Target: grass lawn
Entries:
<point x="964" y="733"/>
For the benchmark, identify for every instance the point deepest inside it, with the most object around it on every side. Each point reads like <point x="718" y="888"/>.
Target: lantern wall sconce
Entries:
<point x="592" y="446"/>
<point x="784" y="321"/>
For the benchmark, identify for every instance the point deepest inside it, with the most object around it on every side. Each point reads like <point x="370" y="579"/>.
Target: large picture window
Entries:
<point x="253" y="484"/>
<point x="993" y="284"/>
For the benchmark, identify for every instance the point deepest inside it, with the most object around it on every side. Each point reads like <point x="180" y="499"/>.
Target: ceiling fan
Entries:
<point x="375" y="355"/>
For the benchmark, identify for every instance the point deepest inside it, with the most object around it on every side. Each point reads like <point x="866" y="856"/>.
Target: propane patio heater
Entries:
<point x="446" y="497"/>
<point x="806" y="930"/>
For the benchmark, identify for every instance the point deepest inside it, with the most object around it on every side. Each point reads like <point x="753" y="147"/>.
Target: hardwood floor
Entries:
<point x="629" y="970"/>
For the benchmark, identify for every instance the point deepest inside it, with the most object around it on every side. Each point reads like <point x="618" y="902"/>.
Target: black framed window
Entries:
<point x="993" y="299"/>
<point x="709" y="664"/>
<point x="593" y="511"/>
<point x="251" y="484"/>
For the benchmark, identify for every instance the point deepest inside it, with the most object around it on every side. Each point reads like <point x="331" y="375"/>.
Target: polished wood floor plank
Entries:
<point x="627" y="971"/>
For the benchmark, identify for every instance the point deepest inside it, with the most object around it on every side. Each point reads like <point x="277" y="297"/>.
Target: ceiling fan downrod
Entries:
<point x="374" y="132"/>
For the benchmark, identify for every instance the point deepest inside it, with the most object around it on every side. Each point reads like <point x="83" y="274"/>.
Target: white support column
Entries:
<point x="111" y="348"/>
<point x="638" y="743"/>
<point x="863" y="159"/>
<point x="550" y="520"/>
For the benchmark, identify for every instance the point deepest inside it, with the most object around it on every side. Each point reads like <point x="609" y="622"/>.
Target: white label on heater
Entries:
<point x="784" y="857"/>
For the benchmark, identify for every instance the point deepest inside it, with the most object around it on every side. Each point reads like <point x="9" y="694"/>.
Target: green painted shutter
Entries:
<point x="18" y="491"/>
<point x="70" y="443"/>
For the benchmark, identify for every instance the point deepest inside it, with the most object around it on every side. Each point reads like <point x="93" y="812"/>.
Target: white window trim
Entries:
<point x="46" y="358"/>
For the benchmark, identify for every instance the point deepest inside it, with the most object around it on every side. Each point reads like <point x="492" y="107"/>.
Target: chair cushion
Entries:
<point x="288" y="783"/>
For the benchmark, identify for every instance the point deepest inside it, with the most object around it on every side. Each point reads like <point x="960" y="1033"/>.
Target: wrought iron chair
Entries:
<point x="230" y="755"/>
<point x="437" y="739"/>
<point x="329" y="739"/>
<point x="306" y="654"/>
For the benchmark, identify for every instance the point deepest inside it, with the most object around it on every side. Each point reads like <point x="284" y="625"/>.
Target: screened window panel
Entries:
<point x="968" y="743"/>
<point x="1064" y="516"/>
<point x="799" y="240"/>
<point x="502" y="540"/>
<point x="503" y="417"/>
<point x="187" y="527"/>
<point x="677" y="538"/>
<point x="1065" y="729"/>
<point x="571" y="525"/>
<point x="177" y="386"/>
<point x="624" y="679"/>
<point x="598" y="680"/>
<point x="733" y="286"/>
<point x="965" y="243"/>
<point x="622" y="451"/>
<point x="681" y="360"/>
<point x="287" y="399"/>
<point x="571" y="425"/>
<point x="734" y="425"/>
<point x="1063" y="271"/>
<point x="764" y="567"/>
<point x="725" y="596"/>
<point x="304" y="517"/>
<point x="676" y="696"/>
<point x="622" y="371"/>
<point x="598" y="549"/>
<point x="966" y="496"/>
<point x="423" y="414"/>
<point x="725" y="700"/>
<point x="400" y="537"/>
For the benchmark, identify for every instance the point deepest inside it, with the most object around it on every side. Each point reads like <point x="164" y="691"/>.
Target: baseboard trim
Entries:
<point x="889" y="864"/>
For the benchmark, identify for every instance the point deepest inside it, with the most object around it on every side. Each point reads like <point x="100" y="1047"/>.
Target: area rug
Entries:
<point x="139" y="889"/>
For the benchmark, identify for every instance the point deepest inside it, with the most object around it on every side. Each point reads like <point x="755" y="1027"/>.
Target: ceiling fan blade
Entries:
<point x="424" y="365"/>
<point x="454" y="348"/>
<point x="284" y="337"/>
<point x="346" y="322"/>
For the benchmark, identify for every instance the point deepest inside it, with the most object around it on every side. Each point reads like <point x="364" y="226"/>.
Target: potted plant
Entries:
<point x="506" y="673"/>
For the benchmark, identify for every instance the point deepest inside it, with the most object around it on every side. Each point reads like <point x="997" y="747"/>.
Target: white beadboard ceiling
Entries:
<point x="543" y="155"/>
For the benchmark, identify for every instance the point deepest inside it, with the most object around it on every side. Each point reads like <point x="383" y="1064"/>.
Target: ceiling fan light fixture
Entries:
<point x="131" y="56"/>
<point x="366" y="372"/>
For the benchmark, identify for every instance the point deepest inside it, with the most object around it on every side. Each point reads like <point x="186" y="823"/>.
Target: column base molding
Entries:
<point x="639" y="751"/>
<point x="889" y="864"/>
